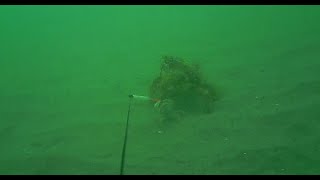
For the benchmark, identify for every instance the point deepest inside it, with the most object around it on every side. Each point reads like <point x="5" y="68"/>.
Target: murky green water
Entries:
<point x="66" y="72"/>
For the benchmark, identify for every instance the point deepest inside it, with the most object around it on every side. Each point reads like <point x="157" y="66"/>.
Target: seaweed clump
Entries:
<point x="181" y="83"/>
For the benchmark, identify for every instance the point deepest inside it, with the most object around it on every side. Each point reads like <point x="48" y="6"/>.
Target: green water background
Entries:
<point x="66" y="72"/>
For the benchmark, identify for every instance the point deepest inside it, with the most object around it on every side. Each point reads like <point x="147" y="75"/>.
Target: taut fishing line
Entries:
<point x="123" y="155"/>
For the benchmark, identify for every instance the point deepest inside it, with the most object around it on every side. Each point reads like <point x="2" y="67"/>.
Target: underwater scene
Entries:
<point x="159" y="90"/>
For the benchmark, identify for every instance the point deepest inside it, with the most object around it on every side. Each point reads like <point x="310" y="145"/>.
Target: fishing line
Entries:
<point x="123" y="156"/>
<point x="125" y="138"/>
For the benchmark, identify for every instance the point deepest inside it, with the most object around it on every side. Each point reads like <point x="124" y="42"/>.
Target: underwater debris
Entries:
<point x="181" y="88"/>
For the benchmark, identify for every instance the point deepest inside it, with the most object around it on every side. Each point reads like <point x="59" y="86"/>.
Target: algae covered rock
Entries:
<point x="182" y="82"/>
